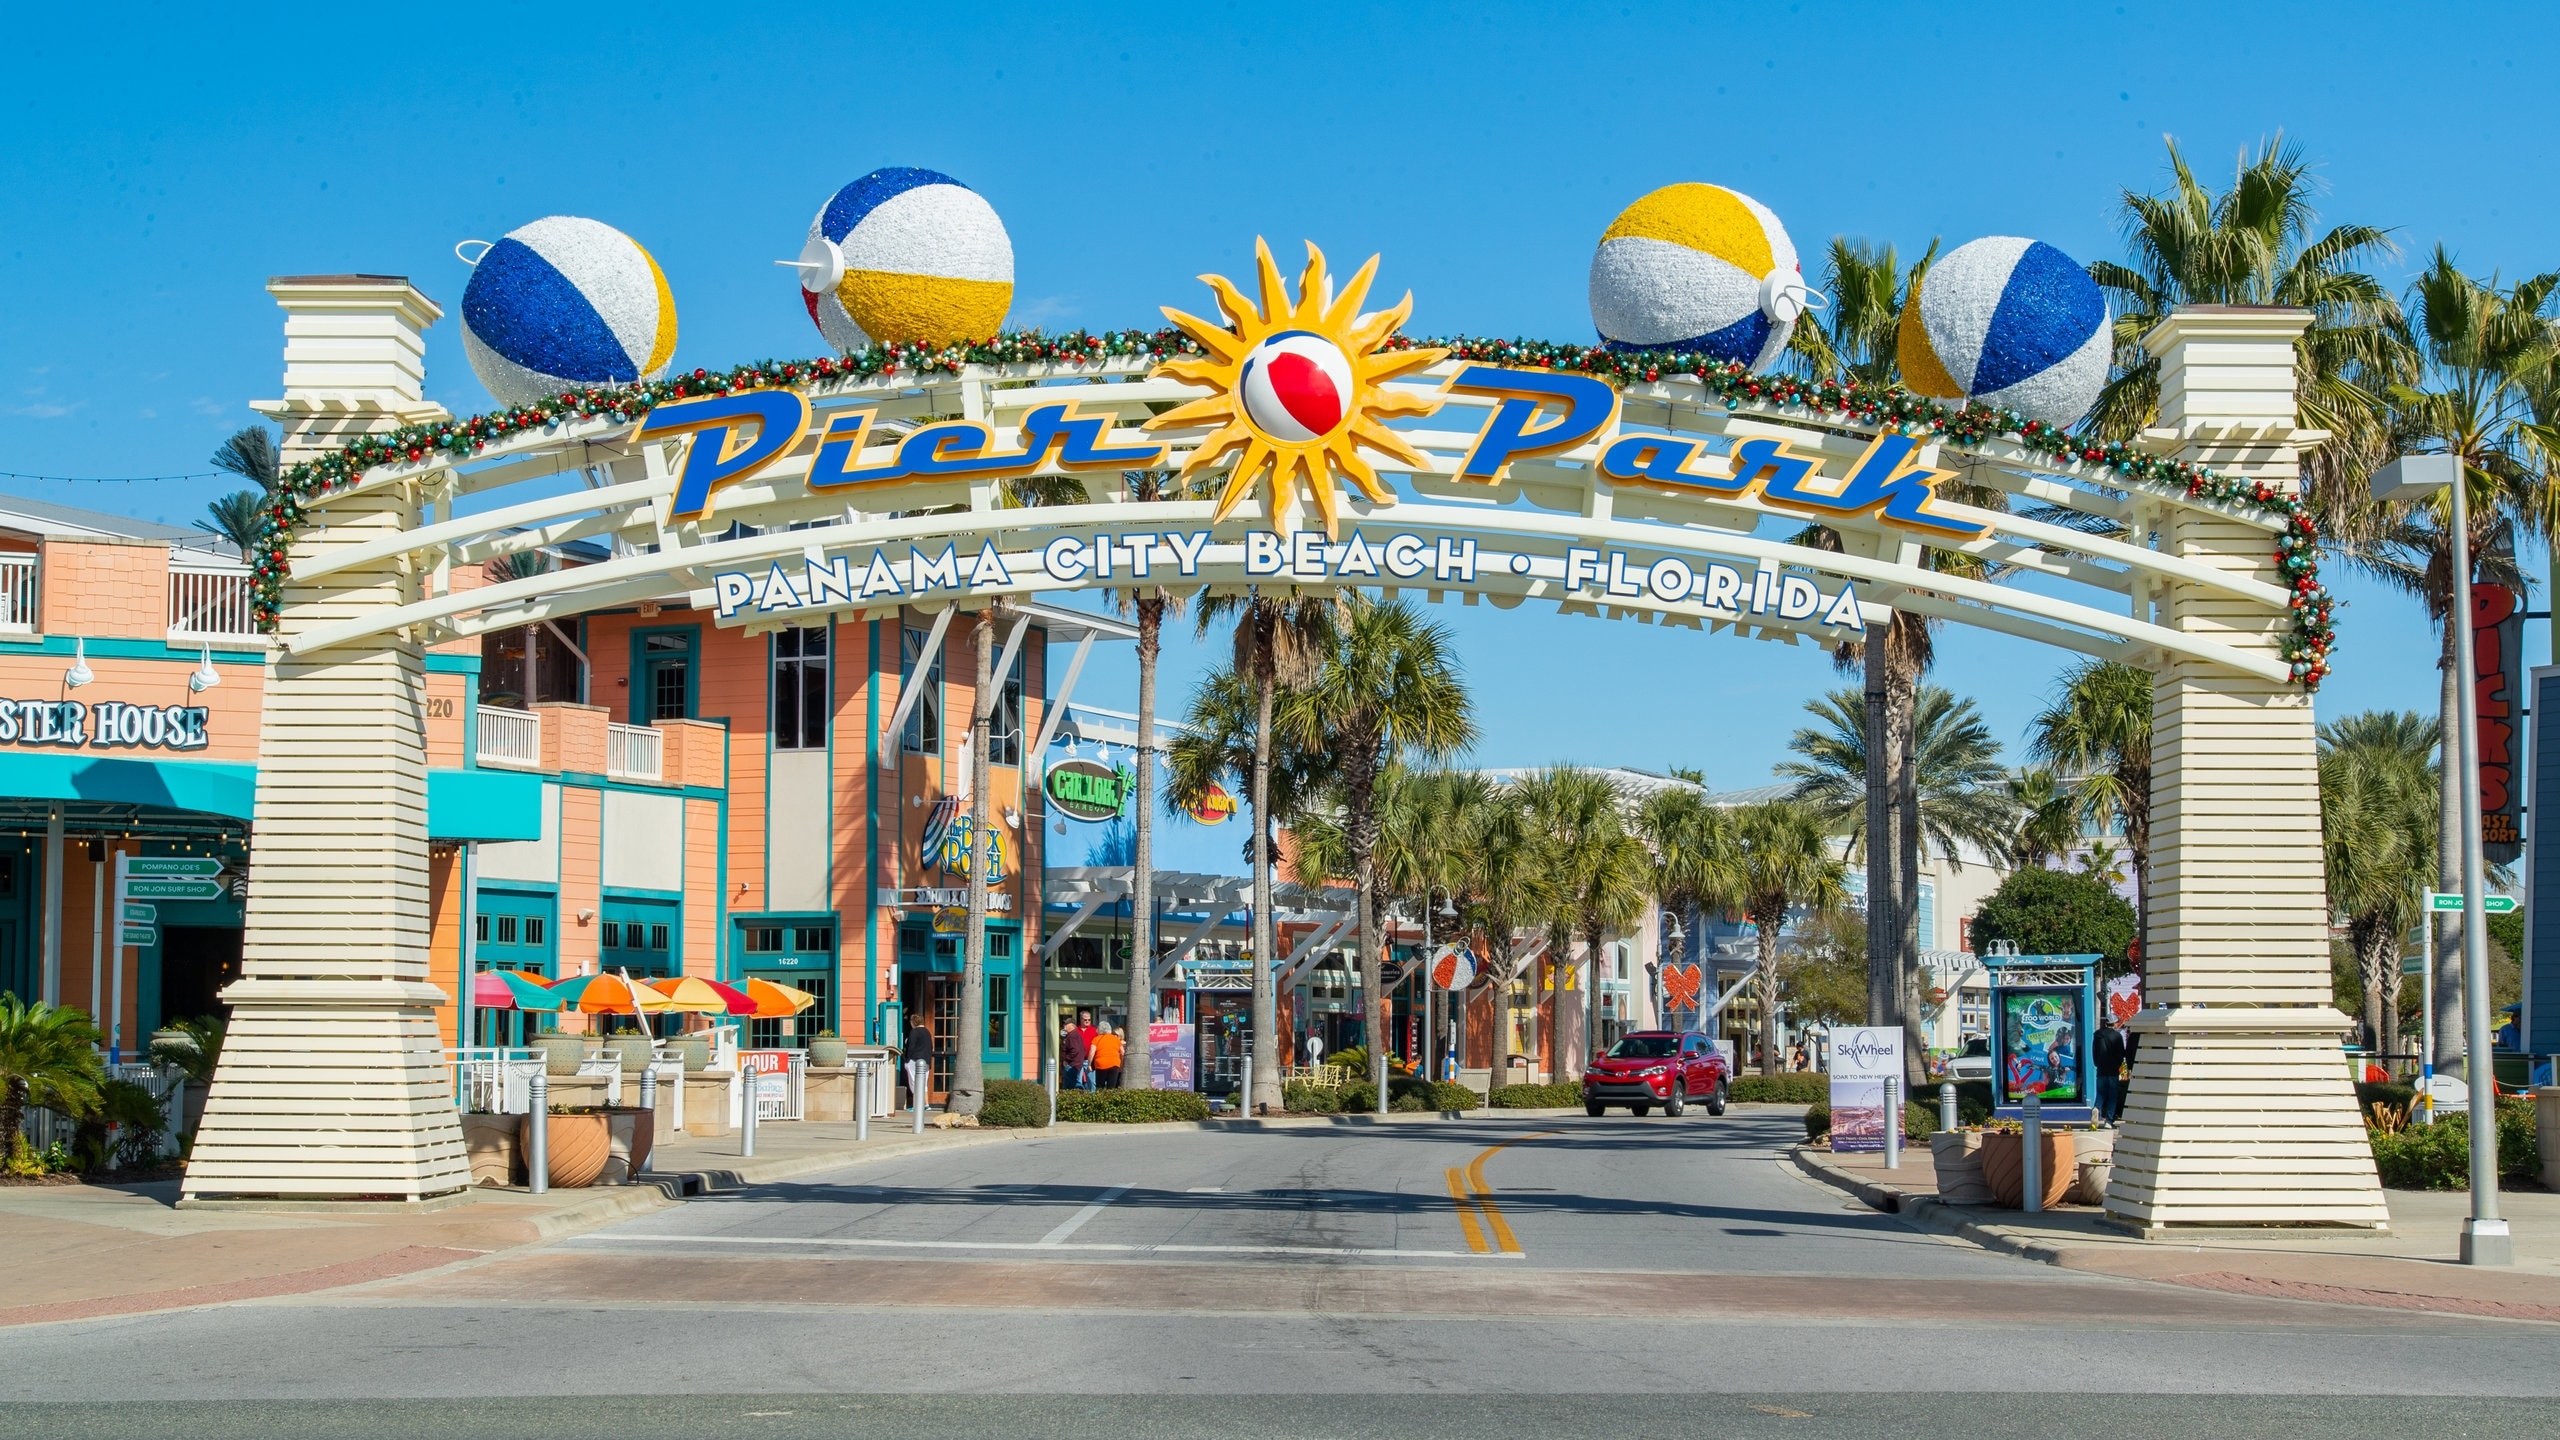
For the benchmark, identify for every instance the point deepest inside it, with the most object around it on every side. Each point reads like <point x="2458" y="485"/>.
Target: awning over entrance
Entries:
<point x="97" y="792"/>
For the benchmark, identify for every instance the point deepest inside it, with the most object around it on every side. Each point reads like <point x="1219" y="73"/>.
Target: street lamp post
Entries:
<point x="2485" y="1239"/>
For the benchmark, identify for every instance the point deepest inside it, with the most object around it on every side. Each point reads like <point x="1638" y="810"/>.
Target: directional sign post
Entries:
<point x="137" y="888"/>
<point x="2492" y="904"/>
<point x="141" y="879"/>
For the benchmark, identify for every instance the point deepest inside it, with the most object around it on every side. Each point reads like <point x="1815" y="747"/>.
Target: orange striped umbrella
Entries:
<point x="775" y="1001"/>
<point x="694" y="995"/>
<point x="608" y="993"/>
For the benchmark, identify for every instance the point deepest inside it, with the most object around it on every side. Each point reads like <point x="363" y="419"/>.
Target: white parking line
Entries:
<point x="1075" y="1222"/>
<point x="589" y="1242"/>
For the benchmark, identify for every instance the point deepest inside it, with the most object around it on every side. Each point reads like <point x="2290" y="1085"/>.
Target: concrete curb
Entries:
<point x="1928" y="1212"/>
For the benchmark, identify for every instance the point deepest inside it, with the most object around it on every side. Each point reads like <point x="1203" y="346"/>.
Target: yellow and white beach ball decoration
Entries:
<point x="2009" y="322"/>
<point x="1698" y="268"/>
<point x="564" y="303"/>
<point x="906" y="256"/>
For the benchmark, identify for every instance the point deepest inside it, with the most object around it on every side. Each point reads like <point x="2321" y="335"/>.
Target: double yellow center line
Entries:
<point x="1478" y="1215"/>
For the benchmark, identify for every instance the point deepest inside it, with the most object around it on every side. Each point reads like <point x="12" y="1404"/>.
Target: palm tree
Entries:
<point x="2253" y="245"/>
<point x="1956" y="773"/>
<point x="1782" y="860"/>
<point x="2048" y="818"/>
<point x="48" y="1056"/>
<point x="1692" y="842"/>
<point x="1151" y="604"/>
<point x="237" y="517"/>
<point x="250" y="453"/>
<point x="1508" y="878"/>
<point x="2486" y="358"/>
<point x="2378" y="801"/>
<point x="2098" y="731"/>
<point x="1389" y="689"/>
<point x="1600" y="870"/>
<point x="1859" y="337"/>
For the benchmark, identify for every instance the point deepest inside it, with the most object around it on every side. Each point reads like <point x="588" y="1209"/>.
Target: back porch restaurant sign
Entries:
<point x="1863" y="1058"/>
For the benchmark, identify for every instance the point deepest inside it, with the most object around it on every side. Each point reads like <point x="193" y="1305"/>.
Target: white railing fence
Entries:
<point x="210" y="602"/>
<point x="634" y="752"/>
<point x="509" y="737"/>
<point x="17" y="594"/>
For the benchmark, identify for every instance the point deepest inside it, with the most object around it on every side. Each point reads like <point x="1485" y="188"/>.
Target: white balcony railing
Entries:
<point x="510" y="737"/>
<point x="210" y="602"/>
<point x="634" y="752"/>
<point x="17" y="594"/>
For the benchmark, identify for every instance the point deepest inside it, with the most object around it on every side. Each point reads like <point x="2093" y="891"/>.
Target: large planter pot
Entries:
<point x="695" y="1051"/>
<point x="2004" y="1168"/>
<point x="631" y="1132"/>
<point x="633" y="1051"/>
<point x="561" y="1053"/>
<point x="2091" y="1186"/>
<point x="827" y="1051"/>
<point x="2546" y="1133"/>
<point x="577" y="1146"/>
<point x="1956" y="1155"/>
<point x="491" y="1143"/>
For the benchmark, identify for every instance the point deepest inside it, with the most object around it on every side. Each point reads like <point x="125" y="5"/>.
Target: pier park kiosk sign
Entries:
<point x="1314" y="448"/>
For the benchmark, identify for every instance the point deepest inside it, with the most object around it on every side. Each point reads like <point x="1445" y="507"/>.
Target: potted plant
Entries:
<point x="695" y="1050"/>
<point x="827" y="1050"/>
<point x="561" y="1054"/>
<point x="577" y="1142"/>
<point x="633" y="1051"/>
<point x="2004" y="1165"/>
<point x="1956" y="1155"/>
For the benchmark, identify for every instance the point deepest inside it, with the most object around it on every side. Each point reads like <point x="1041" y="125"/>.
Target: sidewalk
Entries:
<point x="78" y="1251"/>
<point x="2414" y="1266"/>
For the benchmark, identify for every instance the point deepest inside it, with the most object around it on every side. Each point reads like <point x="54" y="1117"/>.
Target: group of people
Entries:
<point x="1089" y="1054"/>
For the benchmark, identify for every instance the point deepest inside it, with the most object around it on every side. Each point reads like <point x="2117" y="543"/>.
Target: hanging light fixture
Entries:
<point x="204" y="677"/>
<point x="79" y="674"/>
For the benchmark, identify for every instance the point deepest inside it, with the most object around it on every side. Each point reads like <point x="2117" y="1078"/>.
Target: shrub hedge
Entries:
<point x="1130" y="1107"/>
<point x="1015" y="1104"/>
<point x="2438" y="1156"/>
<point x="1782" y="1089"/>
<point x="1303" y="1097"/>
<point x="1408" y="1094"/>
<point x="1535" y="1097"/>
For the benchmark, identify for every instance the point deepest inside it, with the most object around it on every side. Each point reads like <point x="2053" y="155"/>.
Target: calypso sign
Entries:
<point x="1088" y="789"/>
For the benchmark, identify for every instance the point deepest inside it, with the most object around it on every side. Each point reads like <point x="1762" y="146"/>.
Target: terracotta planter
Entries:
<point x="491" y="1143"/>
<point x="827" y="1052"/>
<point x="1957" y="1157"/>
<point x="2004" y="1168"/>
<point x="577" y="1146"/>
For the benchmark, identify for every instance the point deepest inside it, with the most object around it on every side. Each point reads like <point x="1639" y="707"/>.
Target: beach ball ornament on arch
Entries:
<point x="906" y="256"/>
<point x="1700" y="269"/>
<point x="562" y="304"/>
<point x="2008" y="322"/>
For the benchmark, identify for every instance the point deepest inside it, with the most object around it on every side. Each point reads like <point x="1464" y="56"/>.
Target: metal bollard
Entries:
<point x="2031" y="1154"/>
<point x="862" y="1102"/>
<point x="746" y="1109"/>
<point x="918" y="1073"/>
<point x="537" y="1158"/>
<point x="1244" y="1096"/>
<point x="649" y="1106"/>
<point x="1053" y="1090"/>
<point x="1947" y="1105"/>
<point x="1893" y="1122"/>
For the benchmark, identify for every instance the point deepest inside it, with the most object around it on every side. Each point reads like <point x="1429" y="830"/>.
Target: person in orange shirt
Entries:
<point x="1107" y="1046"/>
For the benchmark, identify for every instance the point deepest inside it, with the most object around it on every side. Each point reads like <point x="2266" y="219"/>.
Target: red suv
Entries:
<point x="1657" y="1067"/>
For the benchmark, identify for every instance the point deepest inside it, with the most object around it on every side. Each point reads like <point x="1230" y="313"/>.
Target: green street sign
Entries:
<point x="141" y="914"/>
<point x="139" y="866"/>
<point x="140" y="935"/>
<point x="2413" y="965"/>
<point x="173" y="890"/>
<point x="2492" y="904"/>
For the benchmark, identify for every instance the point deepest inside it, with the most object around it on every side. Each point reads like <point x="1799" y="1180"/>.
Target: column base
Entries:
<point x="329" y="1089"/>
<point x="2487" y="1242"/>
<point x="2243" y="1117"/>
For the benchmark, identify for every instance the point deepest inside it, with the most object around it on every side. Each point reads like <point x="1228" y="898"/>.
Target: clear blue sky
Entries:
<point x="157" y="175"/>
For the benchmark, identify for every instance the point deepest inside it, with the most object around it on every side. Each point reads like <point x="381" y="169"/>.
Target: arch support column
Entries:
<point x="2242" y="1111"/>
<point x="332" y="1080"/>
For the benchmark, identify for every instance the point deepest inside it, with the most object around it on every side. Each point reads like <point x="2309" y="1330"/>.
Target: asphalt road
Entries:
<point x="1554" y="1277"/>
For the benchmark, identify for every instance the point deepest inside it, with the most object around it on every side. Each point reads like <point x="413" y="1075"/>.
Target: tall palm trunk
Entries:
<point x="1497" y="949"/>
<point x="2377" y="952"/>
<point x="1768" y="925"/>
<point x="1266" y="1064"/>
<point x="1884" y="985"/>
<point x="1137" y="1070"/>
<point x="2447" y="979"/>
<point x="1902" y="703"/>
<point x="969" y="1061"/>
<point x="1591" y="933"/>
<point x="1373" y="977"/>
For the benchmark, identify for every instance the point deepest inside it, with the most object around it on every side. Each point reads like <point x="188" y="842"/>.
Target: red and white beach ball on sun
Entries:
<point x="1297" y="387"/>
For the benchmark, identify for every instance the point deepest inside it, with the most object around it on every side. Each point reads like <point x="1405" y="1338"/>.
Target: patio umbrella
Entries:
<point x="775" y="1001"/>
<point x="694" y="995"/>
<point x="608" y="993"/>
<point x="511" y="990"/>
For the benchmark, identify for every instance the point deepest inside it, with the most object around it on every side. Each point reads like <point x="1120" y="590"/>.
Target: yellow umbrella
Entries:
<point x="775" y="1001"/>
<point x="695" y="995"/>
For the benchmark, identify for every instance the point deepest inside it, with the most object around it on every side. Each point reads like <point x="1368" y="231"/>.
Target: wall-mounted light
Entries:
<point x="204" y="677"/>
<point x="585" y="915"/>
<point x="79" y="674"/>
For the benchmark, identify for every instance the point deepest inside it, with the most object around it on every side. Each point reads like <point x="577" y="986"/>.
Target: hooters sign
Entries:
<point x="2497" y="682"/>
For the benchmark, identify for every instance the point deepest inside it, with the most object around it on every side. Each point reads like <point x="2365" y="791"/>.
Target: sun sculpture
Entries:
<point x="1300" y="389"/>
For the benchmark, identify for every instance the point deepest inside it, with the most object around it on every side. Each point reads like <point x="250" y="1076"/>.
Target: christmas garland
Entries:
<point x="2306" y="650"/>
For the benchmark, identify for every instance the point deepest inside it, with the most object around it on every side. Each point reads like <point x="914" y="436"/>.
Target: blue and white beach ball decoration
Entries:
<point x="564" y="303"/>
<point x="1698" y="268"/>
<point x="2009" y="322"/>
<point x="906" y="256"/>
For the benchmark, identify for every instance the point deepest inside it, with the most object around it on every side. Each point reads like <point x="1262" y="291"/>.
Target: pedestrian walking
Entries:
<point x="918" y="1056"/>
<point x="2109" y="1053"/>
<point x="1075" y="1058"/>
<point x="1106" y="1058"/>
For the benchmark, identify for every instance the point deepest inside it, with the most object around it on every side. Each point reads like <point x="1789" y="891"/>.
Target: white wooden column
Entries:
<point x="332" y="1081"/>
<point x="2242" y="1110"/>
